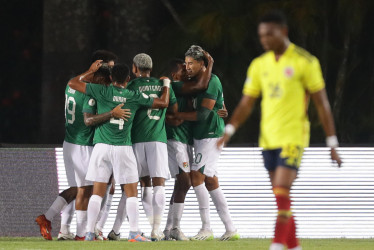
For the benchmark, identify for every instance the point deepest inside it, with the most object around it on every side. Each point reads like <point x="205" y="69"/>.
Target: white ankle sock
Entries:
<point x="203" y="200"/>
<point x="57" y="206"/>
<point x="81" y="223"/>
<point x="276" y="246"/>
<point x="169" y="221"/>
<point x="66" y="217"/>
<point x="93" y="211"/>
<point x="121" y="214"/>
<point x="147" y="203"/>
<point x="222" y="208"/>
<point x="104" y="213"/>
<point x="158" y="203"/>
<point x="177" y="214"/>
<point x="132" y="208"/>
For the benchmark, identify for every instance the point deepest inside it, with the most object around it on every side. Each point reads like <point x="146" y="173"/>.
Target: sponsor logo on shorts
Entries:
<point x="185" y="164"/>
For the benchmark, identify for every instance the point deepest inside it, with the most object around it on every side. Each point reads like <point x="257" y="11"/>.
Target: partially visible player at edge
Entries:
<point x="285" y="76"/>
<point x="77" y="150"/>
<point x="113" y="153"/>
<point x="207" y="129"/>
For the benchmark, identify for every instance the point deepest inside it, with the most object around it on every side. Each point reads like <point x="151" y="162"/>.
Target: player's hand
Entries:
<point x="335" y="157"/>
<point x="208" y="56"/>
<point x="95" y="66"/>
<point x="172" y="120"/>
<point x="120" y="113"/>
<point x="223" y="113"/>
<point x="222" y="142"/>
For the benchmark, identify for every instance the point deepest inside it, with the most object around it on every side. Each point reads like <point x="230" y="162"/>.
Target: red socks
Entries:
<point x="292" y="241"/>
<point x="282" y="196"/>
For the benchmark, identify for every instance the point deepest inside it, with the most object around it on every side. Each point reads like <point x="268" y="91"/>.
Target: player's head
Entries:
<point x="177" y="70"/>
<point x="195" y="60"/>
<point x="102" y="75"/>
<point x="120" y="74"/>
<point x="142" y="64"/>
<point x="273" y="30"/>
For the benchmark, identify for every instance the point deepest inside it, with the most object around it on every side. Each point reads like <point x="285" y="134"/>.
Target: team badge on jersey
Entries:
<point x="289" y="72"/>
<point x="185" y="164"/>
<point x="91" y="102"/>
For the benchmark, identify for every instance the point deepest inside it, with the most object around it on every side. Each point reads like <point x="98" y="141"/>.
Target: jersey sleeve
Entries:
<point x="89" y="105"/>
<point x="252" y="84"/>
<point x="172" y="98"/>
<point x="213" y="89"/>
<point x="143" y="99"/>
<point x="313" y="79"/>
<point x="95" y="90"/>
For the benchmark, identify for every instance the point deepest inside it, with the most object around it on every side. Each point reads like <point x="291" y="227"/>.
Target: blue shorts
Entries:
<point x="288" y="156"/>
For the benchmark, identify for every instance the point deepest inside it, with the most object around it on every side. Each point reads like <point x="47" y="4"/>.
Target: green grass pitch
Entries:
<point x="39" y="243"/>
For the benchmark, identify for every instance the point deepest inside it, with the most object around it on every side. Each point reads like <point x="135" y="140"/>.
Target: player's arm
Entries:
<point x="170" y="119"/>
<point x="223" y="113"/>
<point x="201" y="114"/>
<point x="163" y="101"/>
<point x="322" y="104"/>
<point x="96" y="119"/>
<point x="240" y="115"/>
<point x="77" y="82"/>
<point x="202" y="84"/>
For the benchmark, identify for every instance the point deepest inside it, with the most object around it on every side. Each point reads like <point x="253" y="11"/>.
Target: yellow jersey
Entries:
<point x="284" y="86"/>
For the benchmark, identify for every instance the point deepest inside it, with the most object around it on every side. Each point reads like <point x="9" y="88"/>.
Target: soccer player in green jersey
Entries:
<point x="113" y="153"/>
<point x="77" y="150"/>
<point x="285" y="76"/>
<point x="149" y="138"/>
<point x="207" y="130"/>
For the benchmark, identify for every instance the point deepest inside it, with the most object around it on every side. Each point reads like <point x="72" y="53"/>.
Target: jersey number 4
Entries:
<point x="70" y="105"/>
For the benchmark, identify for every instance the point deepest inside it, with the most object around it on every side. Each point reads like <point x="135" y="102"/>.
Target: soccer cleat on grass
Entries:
<point x="203" y="234"/>
<point x="99" y="235"/>
<point x="68" y="236"/>
<point x="90" y="236"/>
<point x="230" y="236"/>
<point x="157" y="235"/>
<point x="167" y="235"/>
<point x="177" y="234"/>
<point x="136" y="237"/>
<point x="276" y="246"/>
<point x="77" y="238"/>
<point x="113" y="236"/>
<point x="45" y="227"/>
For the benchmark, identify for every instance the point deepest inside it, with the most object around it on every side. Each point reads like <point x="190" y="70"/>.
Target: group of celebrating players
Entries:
<point x="144" y="130"/>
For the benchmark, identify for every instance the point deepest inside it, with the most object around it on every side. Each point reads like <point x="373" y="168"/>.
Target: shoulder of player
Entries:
<point x="303" y="54"/>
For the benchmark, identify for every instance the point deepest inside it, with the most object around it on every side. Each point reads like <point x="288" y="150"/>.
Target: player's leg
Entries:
<point x="169" y="220"/>
<point x="104" y="213"/>
<point x="99" y="171"/>
<point x="125" y="173"/>
<point x="66" y="218"/>
<point x="81" y="205"/>
<point x="120" y="217"/>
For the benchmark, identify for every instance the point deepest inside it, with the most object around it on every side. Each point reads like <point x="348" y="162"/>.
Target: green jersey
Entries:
<point x="149" y="124"/>
<point x="116" y="131"/>
<point x="76" y="131"/>
<point x="183" y="132"/>
<point x="213" y="126"/>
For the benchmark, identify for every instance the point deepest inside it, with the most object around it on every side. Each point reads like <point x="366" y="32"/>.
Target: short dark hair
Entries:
<point x="274" y="16"/>
<point x="120" y="72"/>
<point x="104" y="55"/>
<point x="173" y="65"/>
<point x="196" y="52"/>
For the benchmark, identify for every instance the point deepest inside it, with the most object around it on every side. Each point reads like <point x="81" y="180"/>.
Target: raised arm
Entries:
<point x="202" y="84"/>
<point x="77" y="82"/>
<point x="163" y="101"/>
<point x="201" y="114"/>
<point x="240" y="115"/>
<point x="117" y="112"/>
<point x="325" y="116"/>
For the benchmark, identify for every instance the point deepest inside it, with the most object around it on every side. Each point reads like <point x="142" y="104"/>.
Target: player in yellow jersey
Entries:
<point x="285" y="76"/>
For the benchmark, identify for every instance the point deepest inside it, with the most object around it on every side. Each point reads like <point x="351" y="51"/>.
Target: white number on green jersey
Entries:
<point x="120" y="122"/>
<point x="70" y="105"/>
<point x="149" y="112"/>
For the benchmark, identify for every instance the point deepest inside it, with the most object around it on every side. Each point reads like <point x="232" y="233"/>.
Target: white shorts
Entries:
<point x="117" y="160"/>
<point x="180" y="157"/>
<point x="152" y="159"/>
<point x="206" y="155"/>
<point x="76" y="160"/>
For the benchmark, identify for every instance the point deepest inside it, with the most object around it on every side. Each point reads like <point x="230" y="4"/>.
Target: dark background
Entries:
<point x="45" y="43"/>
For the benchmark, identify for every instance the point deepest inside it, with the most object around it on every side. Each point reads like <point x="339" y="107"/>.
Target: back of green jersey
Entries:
<point x="149" y="124"/>
<point x="183" y="132"/>
<point x="116" y="131"/>
<point x="214" y="125"/>
<point x="76" y="131"/>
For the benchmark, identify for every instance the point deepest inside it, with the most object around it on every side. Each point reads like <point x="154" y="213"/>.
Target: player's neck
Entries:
<point x="280" y="51"/>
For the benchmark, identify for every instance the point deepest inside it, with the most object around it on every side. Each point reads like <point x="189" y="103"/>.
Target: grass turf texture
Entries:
<point x="39" y="243"/>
